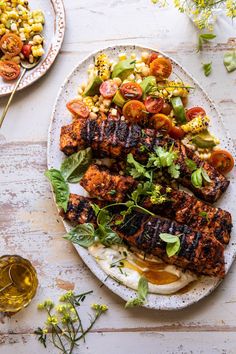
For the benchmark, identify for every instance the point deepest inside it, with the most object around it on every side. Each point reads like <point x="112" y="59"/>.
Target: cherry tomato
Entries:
<point x="222" y="160"/>
<point x="176" y="132"/>
<point x="9" y="70"/>
<point x="134" y="111"/>
<point x="26" y="50"/>
<point x="108" y="88"/>
<point x="131" y="91"/>
<point x="161" y="68"/>
<point x="153" y="104"/>
<point x="78" y="108"/>
<point x="152" y="57"/>
<point x="166" y="109"/>
<point x="11" y="44"/>
<point x="194" y="112"/>
<point x="161" y="122"/>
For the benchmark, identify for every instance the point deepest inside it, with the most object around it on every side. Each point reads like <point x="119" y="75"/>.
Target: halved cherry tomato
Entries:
<point x="78" y="108"/>
<point x="153" y="104"/>
<point x="222" y="160"/>
<point x="11" y="44"/>
<point x="176" y="132"/>
<point x="131" y="91"/>
<point x="108" y="88"/>
<point x="161" y="122"/>
<point x="166" y="109"/>
<point x="134" y="111"/>
<point x="194" y="112"/>
<point x="9" y="70"/>
<point x="26" y="50"/>
<point x="161" y="68"/>
<point x="152" y="57"/>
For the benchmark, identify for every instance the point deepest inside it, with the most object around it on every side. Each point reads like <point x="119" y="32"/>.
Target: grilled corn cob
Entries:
<point x="196" y="125"/>
<point x="102" y="66"/>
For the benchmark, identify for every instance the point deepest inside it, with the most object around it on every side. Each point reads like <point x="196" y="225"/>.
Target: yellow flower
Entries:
<point x="99" y="307"/>
<point x="52" y="320"/>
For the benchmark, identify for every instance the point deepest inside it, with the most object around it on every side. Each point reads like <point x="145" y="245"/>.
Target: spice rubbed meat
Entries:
<point x="198" y="252"/>
<point x="110" y="138"/>
<point x="99" y="182"/>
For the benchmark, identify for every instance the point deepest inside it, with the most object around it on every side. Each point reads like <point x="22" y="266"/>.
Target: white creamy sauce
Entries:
<point x="120" y="264"/>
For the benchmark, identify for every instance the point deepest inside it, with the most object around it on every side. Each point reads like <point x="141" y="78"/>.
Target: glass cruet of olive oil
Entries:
<point x="18" y="283"/>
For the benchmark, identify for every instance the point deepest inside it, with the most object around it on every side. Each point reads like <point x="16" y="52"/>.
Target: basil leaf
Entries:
<point x="207" y="68"/>
<point x="172" y="248"/>
<point x="168" y="238"/>
<point x="205" y="176"/>
<point x="104" y="217"/>
<point x="83" y="235"/>
<point x="60" y="187"/>
<point x="192" y="166"/>
<point x="96" y="208"/>
<point x="74" y="166"/>
<point x="230" y="61"/>
<point x="142" y="294"/>
<point x="196" y="178"/>
<point x="107" y="236"/>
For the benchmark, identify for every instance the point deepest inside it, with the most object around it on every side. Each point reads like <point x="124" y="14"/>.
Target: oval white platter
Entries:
<point x="53" y="33"/>
<point x="205" y="285"/>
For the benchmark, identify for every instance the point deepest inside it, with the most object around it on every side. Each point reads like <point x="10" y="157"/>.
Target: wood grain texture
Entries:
<point x="29" y="220"/>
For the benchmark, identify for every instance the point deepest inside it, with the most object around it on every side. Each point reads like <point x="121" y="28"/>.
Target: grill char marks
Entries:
<point x="198" y="252"/>
<point x="116" y="139"/>
<point x="182" y="207"/>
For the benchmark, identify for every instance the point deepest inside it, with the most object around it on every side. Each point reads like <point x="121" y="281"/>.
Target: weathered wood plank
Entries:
<point x="139" y="343"/>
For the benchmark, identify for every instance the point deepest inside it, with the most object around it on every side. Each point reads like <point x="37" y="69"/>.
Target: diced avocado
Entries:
<point x="179" y="110"/>
<point x="123" y="69"/>
<point x="93" y="87"/>
<point x="118" y="99"/>
<point x="147" y="84"/>
<point x="204" y="140"/>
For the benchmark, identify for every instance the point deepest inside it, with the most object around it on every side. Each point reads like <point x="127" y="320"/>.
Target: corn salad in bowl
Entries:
<point x="20" y="36"/>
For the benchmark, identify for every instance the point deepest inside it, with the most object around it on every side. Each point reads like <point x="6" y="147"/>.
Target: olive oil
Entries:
<point x="18" y="283"/>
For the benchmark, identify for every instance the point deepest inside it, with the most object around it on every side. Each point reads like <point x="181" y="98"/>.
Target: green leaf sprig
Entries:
<point x="230" y="61"/>
<point x="204" y="38"/>
<point x="74" y="166"/>
<point x="64" y="327"/>
<point x="60" y="187"/>
<point x="207" y="68"/>
<point x="172" y="243"/>
<point x="141" y="294"/>
<point x="199" y="175"/>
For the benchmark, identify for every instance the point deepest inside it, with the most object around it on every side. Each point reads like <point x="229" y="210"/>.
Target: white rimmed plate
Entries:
<point x="205" y="285"/>
<point x="53" y="33"/>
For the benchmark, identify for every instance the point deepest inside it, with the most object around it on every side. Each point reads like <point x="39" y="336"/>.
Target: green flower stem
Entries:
<point x="98" y="314"/>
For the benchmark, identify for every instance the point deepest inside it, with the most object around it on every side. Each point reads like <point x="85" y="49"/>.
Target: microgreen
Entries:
<point x="204" y="214"/>
<point x="172" y="243"/>
<point x="141" y="294"/>
<point x="207" y="68"/>
<point x="203" y="38"/>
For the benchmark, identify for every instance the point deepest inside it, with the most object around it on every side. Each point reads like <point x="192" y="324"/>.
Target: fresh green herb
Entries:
<point x="173" y="170"/>
<point x="204" y="214"/>
<point x="172" y="243"/>
<point x="207" y="68"/>
<point x="64" y="325"/>
<point x="141" y="296"/>
<point x="107" y="236"/>
<point x="112" y="192"/>
<point x="74" y="166"/>
<point x="198" y="176"/>
<point x="137" y="170"/>
<point x="164" y="158"/>
<point x="60" y="187"/>
<point x="230" y="61"/>
<point x="203" y="38"/>
<point x="192" y="166"/>
<point x="83" y="235"/>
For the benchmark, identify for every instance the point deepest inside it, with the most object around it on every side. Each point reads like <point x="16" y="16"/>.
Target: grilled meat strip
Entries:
<point x="109" y="138"/>
<point x="198" y="252"/>
<point x="100" y="183"/>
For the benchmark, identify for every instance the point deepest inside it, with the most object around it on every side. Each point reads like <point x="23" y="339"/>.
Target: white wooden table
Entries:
<point x="29" y="221"/>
